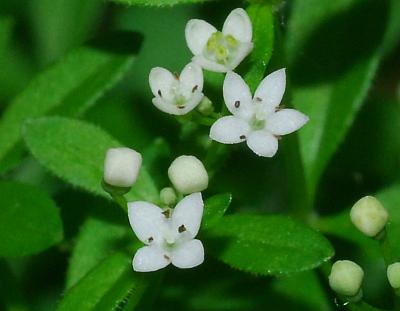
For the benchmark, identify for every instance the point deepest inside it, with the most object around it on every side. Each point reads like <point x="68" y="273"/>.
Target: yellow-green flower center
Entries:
<point x="221" y="47"/>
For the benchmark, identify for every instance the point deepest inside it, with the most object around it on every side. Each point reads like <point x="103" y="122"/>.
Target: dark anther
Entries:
<point x="159" y="93"/>
<point x="194" y="89"/>
<point x="167" y="257"/>
<point x="151" y="239"/>
<point x="237" y="104"/>
<point x="242" y="136"/>
<point x="258" y="99"/>
<point x="176" y="75"/>
<point x="181" y="228"/>
<point x="167" y="213"/>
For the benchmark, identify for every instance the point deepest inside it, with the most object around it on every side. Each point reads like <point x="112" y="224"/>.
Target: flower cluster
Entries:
<point x="257" y="119"/>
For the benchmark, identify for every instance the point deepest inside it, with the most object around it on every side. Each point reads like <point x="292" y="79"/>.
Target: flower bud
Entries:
<point x="346" y="278"/>
<point x="168" y="196"/>
<point x="188" y="174"/>
<point x="369" y="216"/>
<point x="206" y="106"/>
<point x="393" y="274"/>
<point x="121" y="167"/>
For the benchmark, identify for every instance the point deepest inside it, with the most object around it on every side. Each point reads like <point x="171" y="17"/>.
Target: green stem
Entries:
<point x="121" y="201"/>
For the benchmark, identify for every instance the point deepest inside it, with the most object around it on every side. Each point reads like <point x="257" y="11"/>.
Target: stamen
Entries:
<point x="150" y="239"/>
<point x="258" y="99"/>
<point x="181" y="228"/>
<point x="167" y="257"/>
<point x="176" y="75"/>
<point x="242" y="136"/>
<point x="194" y="89"/>
<point x="167" y="213"/>
<point x="159" y="93"/>
<point x="237" y="104"/>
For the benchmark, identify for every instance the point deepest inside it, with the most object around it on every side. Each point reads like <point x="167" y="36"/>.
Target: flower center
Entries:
<point x="178" y="96"/>
<point x="258" y="121"/>
<point x="221" y="48"/>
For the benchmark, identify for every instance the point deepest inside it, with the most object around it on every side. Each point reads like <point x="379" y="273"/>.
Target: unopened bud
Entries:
<point x="205" y="107"/>
<point x="369" y="216"/>
<point x="393" y="274"/>
<point x="168" y="196"/>
<point x="121" y="167"/>
<point x="346" y="278"/>
<point x="188" y="174"/>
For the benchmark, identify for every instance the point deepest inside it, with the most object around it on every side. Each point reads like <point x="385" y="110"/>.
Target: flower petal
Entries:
<point x="171" y="108"/>
<point x="271" y="89"/>
<point x="208" y="64"/>
<point x="286" y="121"/>
<point x="161" y="81"/>
<point x="147" y="221"/>
<point x="229" y="130"/>
<point x="237" y="95"/>
<point x="150" y="258"/>
<point x="188" y="255"/>
<point x="242" y="51"/>
<point x="238" y="24"/>
<point x="191" y="78"/>
<point x="263" y="143"/>
<point x="197" y="33"/>
<point x="188" y="212"/>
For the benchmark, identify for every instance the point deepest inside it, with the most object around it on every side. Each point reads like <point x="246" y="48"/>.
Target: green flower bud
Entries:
<point x="393" y="274"/>
<point x="168" y="196"/>
<point x="346" y="278"/>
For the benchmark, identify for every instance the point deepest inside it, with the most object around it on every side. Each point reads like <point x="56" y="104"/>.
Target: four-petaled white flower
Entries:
<point x="220" y="51"/>
<point x="256" y="120"/>
<point x="168" y="234"/>
<point x="174" y="94"/>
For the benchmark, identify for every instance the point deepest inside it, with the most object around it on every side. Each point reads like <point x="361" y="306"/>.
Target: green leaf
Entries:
<point x="29" y="220"/>
<point x="96" y="241"/>
<point x="158" y="3"/>
<point x="59" y="25"/>
<point x="71" y="86"/>
<point x="330" y="74"/>
<point x="108" y="284"/>
<point x="262" y="19"/>
<point x="74" y="151"/>
<point x="214" y="208"/>
<point x="268" y="244"/>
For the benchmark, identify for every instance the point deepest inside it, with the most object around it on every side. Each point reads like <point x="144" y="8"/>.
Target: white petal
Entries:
<point x="238" y="24"/>
<point x="263" y="143"/>
<point x="286" y="121"/>
<point x="242" y="51"/>
<point x="150" y="258"/>
<point x="192" y="78"/>
<point x="171" y="108"/>
<point x="209" y="65"/>
<point x="237" y="95"/>
<point x="188" y="255"/>
<point x="147" y="221"/>
<point x="161" y="79"/>
<point x="197" y="33"/>
<point x="271" y="89"/>
<point x="188" y="212"/>
<point x="229" y="130"/>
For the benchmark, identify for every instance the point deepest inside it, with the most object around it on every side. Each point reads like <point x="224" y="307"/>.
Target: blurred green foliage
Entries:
<point x="62" y="248"/>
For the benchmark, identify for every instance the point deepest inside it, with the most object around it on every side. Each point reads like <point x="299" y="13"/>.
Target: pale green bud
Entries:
<point x="188" y="174"/>
<point x="369" y="216"/>
<point x="346" y="278"/>
<point x="205" y="107"/>
<point x="393" y="274"/>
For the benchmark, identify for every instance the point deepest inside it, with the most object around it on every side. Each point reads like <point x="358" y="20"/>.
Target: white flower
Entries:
<point x="168" y="234"/>
<point x="369" y="216"/>
<point x="220" y="51"/>
<point x="256" y="120"/>
<point x="188" y="174"/>
<point x="121" y="167"/>
<point x="346" y="278"/>
<point x="177" y="95"/>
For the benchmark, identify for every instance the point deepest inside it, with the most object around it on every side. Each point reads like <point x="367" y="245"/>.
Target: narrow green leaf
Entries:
<point x="96" y="241"/>
<point x="214" y="208"/>
<point x="74" y="151"/>
<point x="268" y="245"/>
<point x="262" y="19"/>
<point x="159" y="3"/>
<point x="330" y="74"/>
<point x="29" y="220"/>
<point x="72" y="85"/>
<point x="106" y="285"/>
